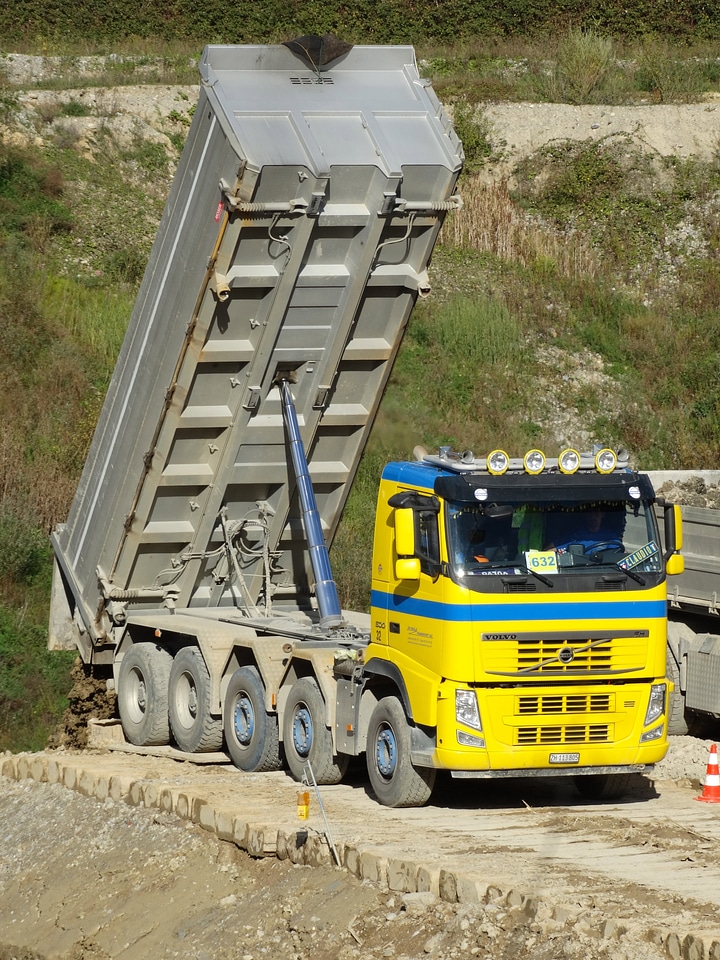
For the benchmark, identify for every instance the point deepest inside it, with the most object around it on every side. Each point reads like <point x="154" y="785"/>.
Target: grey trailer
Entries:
<point x="694" y="606"/>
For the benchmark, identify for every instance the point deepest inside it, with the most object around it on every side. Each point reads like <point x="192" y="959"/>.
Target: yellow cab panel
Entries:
<point x="524" y="642"/>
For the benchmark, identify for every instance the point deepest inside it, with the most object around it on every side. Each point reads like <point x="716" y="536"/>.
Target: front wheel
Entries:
<point x="394" y="779"/>
<point x="251" y="733"/>
<point x="194" y="728"/>
<point x="606" y="786"/>
<point x="306" y="738"/>
<point x="142" y="695"/>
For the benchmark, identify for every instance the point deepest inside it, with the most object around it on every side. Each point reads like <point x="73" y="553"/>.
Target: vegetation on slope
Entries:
<point x="91" y="22"/>
<point x="581" y="305"/>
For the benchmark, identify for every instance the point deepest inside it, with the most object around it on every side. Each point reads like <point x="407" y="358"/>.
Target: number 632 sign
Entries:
<point x="542" y="561"/>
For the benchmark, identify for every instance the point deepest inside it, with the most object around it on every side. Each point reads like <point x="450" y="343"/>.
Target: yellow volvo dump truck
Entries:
<point x="193" y="567"/>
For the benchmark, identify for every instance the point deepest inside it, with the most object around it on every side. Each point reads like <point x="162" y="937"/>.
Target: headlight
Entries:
<point x="466" y="709"/>
<point x="654" y="734"/>
<point x="534" y="461"/>
<point x="497" y="462"/>
<point x="656" y="706"/>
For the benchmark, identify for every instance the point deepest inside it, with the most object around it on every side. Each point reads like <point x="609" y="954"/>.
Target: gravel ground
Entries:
<point x="82" y="879"/>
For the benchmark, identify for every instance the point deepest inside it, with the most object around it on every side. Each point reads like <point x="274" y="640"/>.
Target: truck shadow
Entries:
<point x="523" y="792"/>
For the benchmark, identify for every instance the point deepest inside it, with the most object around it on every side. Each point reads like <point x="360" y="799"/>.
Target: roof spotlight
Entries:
<point x="497" y="462"/>
<point x="569" y="461"/>
<point x="534" y="461"/>
<point x="605" y="460"/>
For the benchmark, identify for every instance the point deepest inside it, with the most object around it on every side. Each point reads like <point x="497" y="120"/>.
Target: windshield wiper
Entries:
<point x="625" y="573"/>
<point x="541" y="577"/>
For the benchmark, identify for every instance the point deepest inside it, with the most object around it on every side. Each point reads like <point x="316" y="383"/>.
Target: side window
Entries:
<point x="427" y="541"/>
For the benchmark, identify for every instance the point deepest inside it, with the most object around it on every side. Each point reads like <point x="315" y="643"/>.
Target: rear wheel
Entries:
<point x="193" y="727"/>
<point x="394" y="780"/>
<point x="142" y="695"/>
<point x="606" y="786"/>
<point x="306" y="738"/>
<point x="678" y="724"/>
<point x="251" y="733"/>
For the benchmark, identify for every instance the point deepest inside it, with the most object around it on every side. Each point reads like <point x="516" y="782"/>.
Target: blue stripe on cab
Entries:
<point x="571" y="610"/>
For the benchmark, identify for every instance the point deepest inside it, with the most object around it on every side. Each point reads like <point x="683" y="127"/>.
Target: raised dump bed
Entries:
<point x="293" y="246"/>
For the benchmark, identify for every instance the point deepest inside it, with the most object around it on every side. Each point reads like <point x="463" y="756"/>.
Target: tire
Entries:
<point x="606" y="786"/>
<point x="190" y="697"/>
<point x="678" y="724"/>
<point x="393" y="778"/>
<point x="251" y="733"/>
<point x="306" y="738"/>
<point x="142" y="695"/>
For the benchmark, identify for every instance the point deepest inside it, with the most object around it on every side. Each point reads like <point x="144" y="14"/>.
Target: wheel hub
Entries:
<point x="302" y="730"/>
<point x="386" y="751"/>
<point x="244" y="720"/>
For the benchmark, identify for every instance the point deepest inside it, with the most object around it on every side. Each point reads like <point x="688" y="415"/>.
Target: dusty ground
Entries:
<point x="541" y="874"/>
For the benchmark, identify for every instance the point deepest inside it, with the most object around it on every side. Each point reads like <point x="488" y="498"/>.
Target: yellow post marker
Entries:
<point x="303" y="804"/>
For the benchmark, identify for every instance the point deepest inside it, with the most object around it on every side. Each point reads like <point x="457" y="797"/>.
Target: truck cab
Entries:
<point x="522" y="604"/>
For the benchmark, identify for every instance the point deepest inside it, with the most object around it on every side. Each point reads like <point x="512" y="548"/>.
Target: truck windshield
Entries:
<point x="552" y="538"/>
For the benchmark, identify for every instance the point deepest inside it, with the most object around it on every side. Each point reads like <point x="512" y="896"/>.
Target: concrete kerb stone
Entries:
<point x="23" y="767"/>
<point x="290" y="845"/>
<point x="120" y="787"/>
<point x="240" y="833"/>
<point x="151" y="795"/>
<point x="54" y="770"/>
<point x="167" y="799"/>
<point x="9" y="768"/>
<point x="102" y="788"/>
<point x="39" y="769"/>
<point x="447" y="886"/>
<point x="351" y="860"/>
<point x="224" y="824"/>
<point x="261" y="841"/>
<point x="373" y="868"/>
<point x="69" y="776"/>
<point x="317" y="851"/>
<point x="428" y="880"/>
<point x="402" y="875"/>
<point x="85" y="784"/>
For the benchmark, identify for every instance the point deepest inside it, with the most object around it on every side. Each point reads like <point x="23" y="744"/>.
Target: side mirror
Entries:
<point x="407" y="566"/>
<point x="674" y="562"/>
<point x="405" y="532"/>
<point x="407" y="569"/>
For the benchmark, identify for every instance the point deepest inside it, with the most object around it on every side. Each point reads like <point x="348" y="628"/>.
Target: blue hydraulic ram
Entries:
<point x="325" y="588"/>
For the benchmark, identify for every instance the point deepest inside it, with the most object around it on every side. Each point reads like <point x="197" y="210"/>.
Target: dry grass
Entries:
<point x="491" y="223"/>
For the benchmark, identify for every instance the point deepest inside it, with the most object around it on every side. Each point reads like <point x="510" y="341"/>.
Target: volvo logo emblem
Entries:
<point x="566" y="654"/>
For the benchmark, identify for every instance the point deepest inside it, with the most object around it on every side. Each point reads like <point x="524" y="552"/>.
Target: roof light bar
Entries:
<point x="601" y="459"/>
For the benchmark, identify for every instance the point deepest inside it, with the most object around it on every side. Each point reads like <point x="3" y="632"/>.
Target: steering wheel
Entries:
<point x="606" y="545"/>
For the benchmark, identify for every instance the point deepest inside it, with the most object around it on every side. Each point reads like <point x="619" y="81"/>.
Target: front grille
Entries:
<point x="565" y="734"/>
<point x="532" y="652"/>
<point x="517" y="586"/>
<point x="565" y="703"/>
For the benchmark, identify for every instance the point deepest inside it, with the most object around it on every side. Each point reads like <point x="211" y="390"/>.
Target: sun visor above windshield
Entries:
<point x="548" y="488"/>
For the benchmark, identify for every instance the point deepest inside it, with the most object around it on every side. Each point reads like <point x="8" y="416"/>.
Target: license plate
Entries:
<point x="564" y="758"/>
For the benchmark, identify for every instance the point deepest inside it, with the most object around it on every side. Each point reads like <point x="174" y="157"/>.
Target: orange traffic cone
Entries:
<point x="711" y="790"/>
